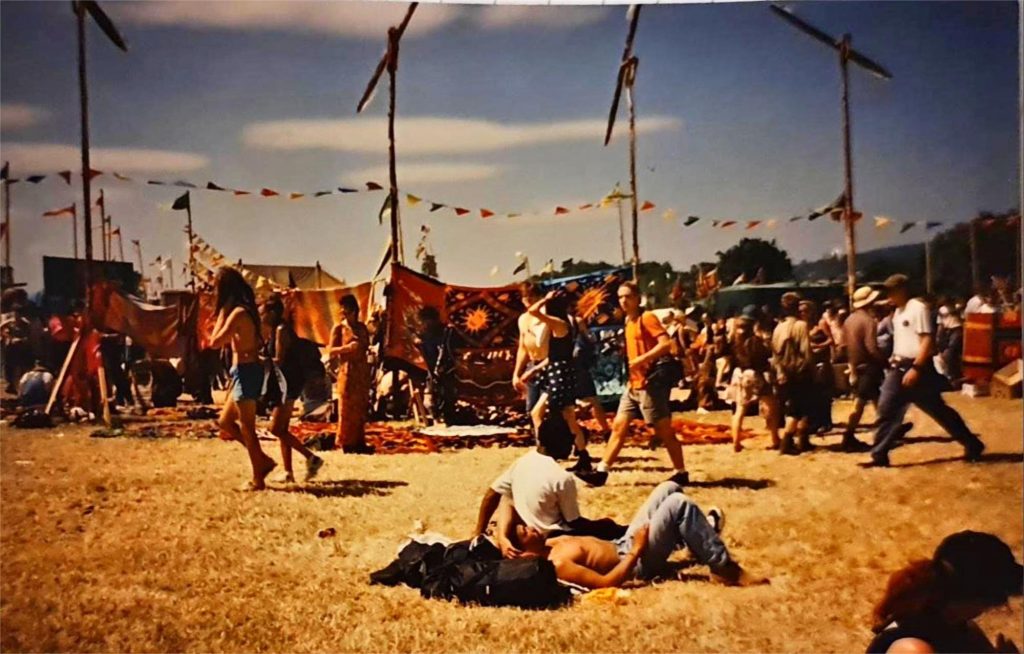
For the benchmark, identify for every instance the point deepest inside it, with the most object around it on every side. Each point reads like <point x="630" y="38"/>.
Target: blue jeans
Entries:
<point x="926" y="394"/>
<point x="676" y="521"/>
<point x="532" y="394"/>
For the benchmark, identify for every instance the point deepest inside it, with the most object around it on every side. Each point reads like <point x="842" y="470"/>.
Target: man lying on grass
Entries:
<point x="667" y="521"/>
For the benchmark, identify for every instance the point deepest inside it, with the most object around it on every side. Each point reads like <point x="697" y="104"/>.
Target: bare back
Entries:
<point x="245" y="341"/>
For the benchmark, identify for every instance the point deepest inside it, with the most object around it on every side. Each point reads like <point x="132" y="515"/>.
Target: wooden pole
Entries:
<point x="142" y="268"/>
<point x="630" y="79"/>
<point x="928" y="264"/>
<point x="104" y="397"/>
<point x="975" y="268"/>
<point x="63" y="373"/>
<point x="74" y="230"/>
<point x="170" y="271"/>
<point x="83" y="96"/>
<point x="7" y="220"/>
<point x="103" y="227"/>
<point x="398" y="251"/>
<point x="848" y="215"/>
<point x="191" y="238"/>
<point x="120" y="244"/>
<point x="622" y="225"/>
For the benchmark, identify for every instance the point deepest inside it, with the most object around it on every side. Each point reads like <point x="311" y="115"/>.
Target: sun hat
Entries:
<point x="864" y="296"/>
<point x="980" y="566"/>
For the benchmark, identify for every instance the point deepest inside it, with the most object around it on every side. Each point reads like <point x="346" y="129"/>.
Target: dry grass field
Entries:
<point x="147" y="545"/>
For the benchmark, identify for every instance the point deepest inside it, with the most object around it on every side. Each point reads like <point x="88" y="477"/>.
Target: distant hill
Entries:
<point x="873" y="265"/>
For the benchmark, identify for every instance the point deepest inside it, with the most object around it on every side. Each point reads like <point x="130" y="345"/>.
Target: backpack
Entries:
<point x="525" y="583"/>
<point x="667" y="371"/>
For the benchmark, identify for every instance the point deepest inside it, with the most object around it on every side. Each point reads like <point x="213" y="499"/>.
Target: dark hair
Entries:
<point x="529" y="289"/>
<point x="632" y="286"/>
<point x="233" y="291"/>
<point x="275" y="304"/>
<point x="558" y="307"/>
<point x="349" y="303"/>
<point x="428" y="312"/>
<point x="554" y="437"/>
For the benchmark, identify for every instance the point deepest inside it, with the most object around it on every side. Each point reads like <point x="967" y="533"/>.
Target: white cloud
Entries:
<point x="49" y="157"/>
<point x="527" y="16"/>
<point x="353" y="19"/>
<point x="431" y="135"/>
<point x="20" y="116"/>
<point x="427" y="173"/>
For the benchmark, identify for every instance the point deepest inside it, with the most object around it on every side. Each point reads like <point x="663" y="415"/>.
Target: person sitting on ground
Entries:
<point x="34" y="387"/>
<point x="667" y="521"/>
<point x="539" y="493"/>
<point x="930" y="605"/>
<point x="288" y="352"/>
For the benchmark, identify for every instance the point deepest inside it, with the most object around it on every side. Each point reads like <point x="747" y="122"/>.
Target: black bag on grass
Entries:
<point x="524" y="583"/>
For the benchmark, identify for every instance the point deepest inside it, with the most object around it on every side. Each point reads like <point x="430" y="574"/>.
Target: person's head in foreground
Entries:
<point x="554" y="438"/>
<point x="897" y="288"/>
<point x="629" y="298"/>
<point x="350" y="309"/>
<point x="272" y="311"/>
<point x="790" y="303"/>
<point x="929" y="604"/>
<point x="531" y="293"/>
<point x="233" y="291"/>
<point x="430" y="317"/>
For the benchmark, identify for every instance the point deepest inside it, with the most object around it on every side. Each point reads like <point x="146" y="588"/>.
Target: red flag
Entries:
<point x="374" y="186"/>
<point x="561" y="211"/>
<point x="751" y="224"/>
<point x="459" y="211"/>
<point x="486" y="213"/>
<point x="116" y="231"/>
<point x="94" y="173"/>
<point x="66" y="211"/>
<point x="647" y="206"/>
<point x="727" y="223"/>
<point x="66" y="176"/>
<point x="584" y="207"/>
<point x="268" y="193"/>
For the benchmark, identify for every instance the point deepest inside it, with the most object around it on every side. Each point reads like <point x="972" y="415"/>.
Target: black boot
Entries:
<point x="583" y="463"/>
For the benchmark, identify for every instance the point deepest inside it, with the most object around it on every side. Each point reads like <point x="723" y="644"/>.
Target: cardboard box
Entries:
<point x="976" y="389"/>
<point x="1006" y="382"/>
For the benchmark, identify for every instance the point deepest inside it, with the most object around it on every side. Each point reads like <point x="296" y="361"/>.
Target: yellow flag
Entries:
<point x="412" y="199"/>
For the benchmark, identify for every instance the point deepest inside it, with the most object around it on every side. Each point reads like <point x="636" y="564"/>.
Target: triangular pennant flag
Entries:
<point x="94" y="173"/>
<point x="342" y="189"/>
<point x="522" y="266"/>
<point x="459" y="211"/>
<point x="35" y="179"/>
<point x="296" y="196"/>
<point x="135" y="241"/>
<point x="691" y="220"/>
<point x="156" y="182"/>
<point x="486" y="213"/>
<point x="751" y="224"/>
<point x="728" y="223"/>
<point x="236" y="192"/>
<point x="882" y="222"/>
<point x="931" y="225"/>
<point x="669" y="215"/>
<point x="320" y="194"/>
<point x="182" y="202"/>
<point x="66" y="176"/>
<point x="123" y="178"/>
<point x="434" y="206"/>
<point x="210" y="186"/>
<point x="116" y="231"/>
<point x="771" y="224"/>
<point x="907" y="227"/>
<point x="182" y="183"/>
<point x="494" y="271"/>
<point x="647" y="206"/>
<point x="715" y="223"/>
<point x="65" y="211"/>
<point x="412" y="199"/>
<point x="796" y="218"/>
<point x="513" y="215"/>
<point x="385" y="209"/>
<point x="374" y="186"/>
<point x="559" y="211"/>
<point x="268" y="193"/>
<point x="584" y="207"/>
<point x="5" y="172"/>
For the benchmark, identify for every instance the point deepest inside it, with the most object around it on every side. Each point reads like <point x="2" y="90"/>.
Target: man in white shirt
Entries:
<point x="911" y="378"/>
<point x="537" y="492"/>
<point x="980" y="302"/>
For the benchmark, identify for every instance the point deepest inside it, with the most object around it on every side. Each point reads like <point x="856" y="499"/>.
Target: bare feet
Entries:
<point x="259" y="479"/>
<point x="731" y="574"/>
<point x="737" y="447"/>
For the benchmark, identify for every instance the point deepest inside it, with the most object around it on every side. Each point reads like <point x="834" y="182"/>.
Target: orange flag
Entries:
<point x="560" y="211"/>
<point x="647" y="206"/>
<point x="268" y="193"/>
<point x="486" y="213"/>
<point x="296" y="196"/>
<point x="459" y="211"/>
<point x="66" y="211"/>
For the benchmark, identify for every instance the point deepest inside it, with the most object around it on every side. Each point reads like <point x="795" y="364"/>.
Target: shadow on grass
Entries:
<point x="995" y="457"/>
<point x="735" y="483"/>
<point x="342" y="488"/>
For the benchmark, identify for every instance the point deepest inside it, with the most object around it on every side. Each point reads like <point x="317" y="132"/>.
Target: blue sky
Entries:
<point x="503" y="108"/>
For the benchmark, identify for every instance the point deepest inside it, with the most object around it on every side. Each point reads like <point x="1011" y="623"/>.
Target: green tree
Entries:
<point x="752" y="255"/>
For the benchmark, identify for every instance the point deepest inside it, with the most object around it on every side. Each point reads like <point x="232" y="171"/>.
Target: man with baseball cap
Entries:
<point x="860" y="333"/>
<point x="911" y="378"/>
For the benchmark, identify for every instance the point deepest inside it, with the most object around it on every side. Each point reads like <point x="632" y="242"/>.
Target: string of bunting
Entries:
<point x="833" y="209"/>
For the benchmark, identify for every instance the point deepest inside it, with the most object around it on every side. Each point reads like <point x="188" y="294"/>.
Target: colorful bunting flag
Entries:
<point x="559" y="211"/>
<point x="123" y="178"/>
<point x="374" y="186"/>
<point x="647" y="206"/>
<point x="728" y="223"/>
<point x="690" y="220"/>
<point x="66" y="211"/>
<point x="584" y="207"/>
<point x="155" y="182"/>
<point x="459" y="211"/>
<point x="486" y="213"/>
<point x="35" y="179"/>
<point x="182" y="183"/>
<point x="94" y="173"/>
<point x="242" y="192"/>
<point x="342" y="189"/>
<point x="66" y="176"/>
<point x="881" y="222"/>
<point x="522" y="266"/>
<point x="669" y="215"/>
<point x="907" y="227"/>
<point x="434" y="206"/>
<point x="751" y="224"/>
<point x="268" y="193"/>
<point x="513" y="215"/>
<point x="5" y="172"/>
<point x="771" y="223"/>
<point x="320" y="194"/>
<point x="412" y="200"/>
<point x="931" y="224"/>
<point x="210" y="186"/>
<point x="296" y="196"/>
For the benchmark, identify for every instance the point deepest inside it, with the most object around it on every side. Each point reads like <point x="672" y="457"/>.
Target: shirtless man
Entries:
<point x="534" y="335"/>
<point x="667" y="520"/>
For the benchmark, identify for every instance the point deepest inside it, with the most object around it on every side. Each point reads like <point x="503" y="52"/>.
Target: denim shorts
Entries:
<point x="652" y="404"/>
<point x="248" y="379"/>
